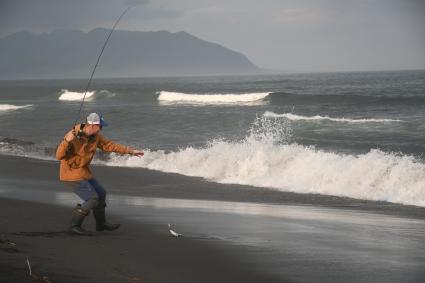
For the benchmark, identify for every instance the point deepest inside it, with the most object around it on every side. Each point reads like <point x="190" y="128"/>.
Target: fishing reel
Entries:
<point x="80" y="132"/>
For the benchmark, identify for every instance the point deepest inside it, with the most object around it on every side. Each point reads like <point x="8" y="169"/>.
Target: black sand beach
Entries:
<point x="133" y="254"/>
<point x="144" y="251"/>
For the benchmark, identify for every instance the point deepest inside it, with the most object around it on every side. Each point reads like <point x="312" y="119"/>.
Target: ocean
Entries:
<point x="358" y="134"/>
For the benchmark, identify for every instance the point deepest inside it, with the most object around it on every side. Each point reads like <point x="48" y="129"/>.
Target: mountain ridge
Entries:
<point x="72" y="54"/>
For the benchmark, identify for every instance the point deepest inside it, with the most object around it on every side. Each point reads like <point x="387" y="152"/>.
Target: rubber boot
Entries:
<point x="101" y="223"/>
<point x="78" y="216"/>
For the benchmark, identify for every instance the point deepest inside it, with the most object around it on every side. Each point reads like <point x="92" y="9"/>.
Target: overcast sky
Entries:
<point x="291" y="35"/>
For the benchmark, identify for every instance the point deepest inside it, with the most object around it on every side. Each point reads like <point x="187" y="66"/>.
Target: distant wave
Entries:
<point x="10" y="107"/>
<point x="229" y="98"/>
<point x="295" y="117"/>
<point x="66" y="95"/>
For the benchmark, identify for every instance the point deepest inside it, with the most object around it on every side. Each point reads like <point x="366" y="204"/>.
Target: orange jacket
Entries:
<point x="75" y="156"/>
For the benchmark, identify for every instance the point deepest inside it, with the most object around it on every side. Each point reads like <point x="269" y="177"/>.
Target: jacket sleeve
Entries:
<point x="62" y="149"/>
<point x="109" y="146"/>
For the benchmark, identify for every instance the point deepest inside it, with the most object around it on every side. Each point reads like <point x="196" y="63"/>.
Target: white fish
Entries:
<point x="175" y="234"/>
<point x="29" y="267"/>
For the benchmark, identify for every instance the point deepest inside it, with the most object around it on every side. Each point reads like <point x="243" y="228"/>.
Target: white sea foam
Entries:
<point x="295" y="117"/>
<point x="67" y="95"/>
<point x="173" y="97"/>
<point x="10" y="107"/>
<point x="375" y="176"/>
<point x="263" y="160"/>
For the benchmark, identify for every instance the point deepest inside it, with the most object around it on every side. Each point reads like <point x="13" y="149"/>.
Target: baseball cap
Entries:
<point x="96" y="119"/>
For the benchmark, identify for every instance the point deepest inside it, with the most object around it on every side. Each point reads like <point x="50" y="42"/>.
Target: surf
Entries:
<point x="11" y="107"/>
<point x="267" y="158"/>
<point x="376" y="175"/>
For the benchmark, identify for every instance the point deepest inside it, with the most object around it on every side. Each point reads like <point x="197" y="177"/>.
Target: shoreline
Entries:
<point x="150" y="183"/>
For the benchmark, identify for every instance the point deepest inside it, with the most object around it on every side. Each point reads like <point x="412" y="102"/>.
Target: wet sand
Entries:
<point x="263" y="236"/>
<point x="134" y="253"/>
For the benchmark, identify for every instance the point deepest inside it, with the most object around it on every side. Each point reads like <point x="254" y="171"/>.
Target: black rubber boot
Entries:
<point x="101" y="223"/>
<point x="78" y="217"/>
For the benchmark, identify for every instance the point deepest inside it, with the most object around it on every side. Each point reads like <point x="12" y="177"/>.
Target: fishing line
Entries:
<point x="97" y="62"/>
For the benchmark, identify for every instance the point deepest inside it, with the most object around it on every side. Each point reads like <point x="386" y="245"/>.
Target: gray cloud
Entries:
<point x="46" y="15"/>
<point x="136" y="2"/>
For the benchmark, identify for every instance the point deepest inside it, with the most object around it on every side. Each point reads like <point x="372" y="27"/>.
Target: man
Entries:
<point x="75" y="153"/>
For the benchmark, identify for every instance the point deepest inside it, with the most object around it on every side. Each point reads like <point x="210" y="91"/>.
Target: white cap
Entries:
<point x="96" y="119"/>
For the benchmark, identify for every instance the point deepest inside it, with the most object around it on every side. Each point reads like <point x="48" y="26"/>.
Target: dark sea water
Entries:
<point x="359" y="134"/>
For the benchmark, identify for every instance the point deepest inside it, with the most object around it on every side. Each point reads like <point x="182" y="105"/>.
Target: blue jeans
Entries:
<point x="91" y="192"/>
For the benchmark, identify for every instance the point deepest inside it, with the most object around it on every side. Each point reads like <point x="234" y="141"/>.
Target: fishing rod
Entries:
<point x="95" y="66"/>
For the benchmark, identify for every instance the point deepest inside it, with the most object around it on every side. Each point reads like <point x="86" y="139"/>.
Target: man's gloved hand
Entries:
<point x="70" y="136"/>
<point x="138" y="153"/>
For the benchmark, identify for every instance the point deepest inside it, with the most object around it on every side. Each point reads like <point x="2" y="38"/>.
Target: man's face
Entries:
<point x="92" y="129"/>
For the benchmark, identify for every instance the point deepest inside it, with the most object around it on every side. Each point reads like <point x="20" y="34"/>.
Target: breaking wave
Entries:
<point x="176" y="97"/>
<point x="265" y="158"/>
<point x="17" y="147"/>
<point x="10" y="107"/>
<point x="294" y="117"/>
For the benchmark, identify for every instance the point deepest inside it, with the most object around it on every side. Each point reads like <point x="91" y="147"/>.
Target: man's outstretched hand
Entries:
<point x="138" y="153"/>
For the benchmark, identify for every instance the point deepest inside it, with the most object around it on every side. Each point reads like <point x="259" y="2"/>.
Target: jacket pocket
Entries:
<point x="74" y="162"/>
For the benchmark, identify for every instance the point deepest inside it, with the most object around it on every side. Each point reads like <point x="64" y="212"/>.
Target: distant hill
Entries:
<point x="72" y="54"/>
